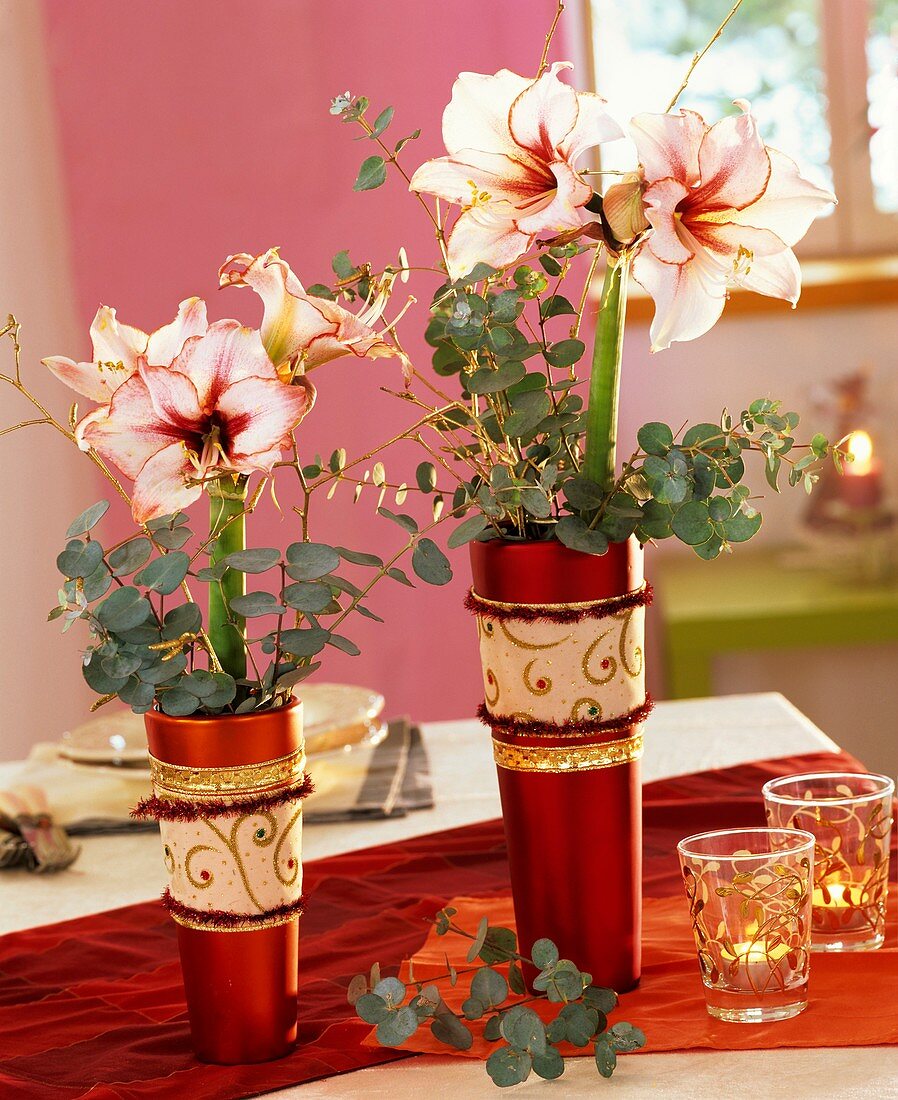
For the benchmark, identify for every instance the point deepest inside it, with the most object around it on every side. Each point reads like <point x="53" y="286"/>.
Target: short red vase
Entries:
<point x="561" y="647"/>
<point x="240" y="985"/>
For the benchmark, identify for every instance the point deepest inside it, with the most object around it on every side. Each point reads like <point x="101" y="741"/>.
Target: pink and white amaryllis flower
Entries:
<point x="218" y="409"/>
<point x="725" y="210"/>
<point x="300" y="331"/>
<point x="513" y="144"/>
<point x="117" y="348"/>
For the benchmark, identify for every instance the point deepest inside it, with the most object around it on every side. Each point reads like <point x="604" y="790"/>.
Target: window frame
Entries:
<point x="856" y="227"/>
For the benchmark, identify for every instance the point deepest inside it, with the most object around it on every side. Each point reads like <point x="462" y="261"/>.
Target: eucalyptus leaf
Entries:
<point x="304" y="642"/>
<point x="129" y="558"/>
<point x="97" y="584"/>
<point x="356" y="557"/>
<point x="576" y="535"/>
<point x="344" y="644"/>
<point x="124" y="609"/>
<point x="177" y="702"/>
<point x="605" y="1055"/>
<point x="544" y="954"/>
<point x="164" y="574"/>
<point x="467" y="530"/>
<point x="257" y="560"/>
<point x="307" y="596"/>
<point x="397" y="1027"/>
<point x="489" y="987"/>
<point x="373" y="173"/>
<point x="508" y="1066"/>
<point x="372" y="1008"/>
<point x="548" y="1065"/>
<point x="254" y="604"/>
<point x="430" y="563"/>
<point x="692" y="523"/>
<point x="186" y="618"/>
<point x="655" y="438"/>
<point x="89" y="518"/>
<point x="79" y="559"/>
<point x="307" y="561"/>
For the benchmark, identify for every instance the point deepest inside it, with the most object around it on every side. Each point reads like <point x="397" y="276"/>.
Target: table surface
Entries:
<point x="681" y="737"/>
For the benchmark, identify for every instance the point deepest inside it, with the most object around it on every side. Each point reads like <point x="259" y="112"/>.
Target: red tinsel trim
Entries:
<point x="185" y="809"/>
<point x="222" y="921"/>
<point x="521" y="613"/>
<point x="588" y="727"/>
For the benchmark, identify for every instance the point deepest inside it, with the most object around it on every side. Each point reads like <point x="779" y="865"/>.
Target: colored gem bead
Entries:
<point x="606" y="663"/>
<point x="540" y="683"/>
<point x="204" y="875"/>
<point x="260" y="833"/>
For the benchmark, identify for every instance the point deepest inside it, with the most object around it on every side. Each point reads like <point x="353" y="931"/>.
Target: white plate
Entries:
<point x="115" y="737"/>
<point x="337" y="718"/>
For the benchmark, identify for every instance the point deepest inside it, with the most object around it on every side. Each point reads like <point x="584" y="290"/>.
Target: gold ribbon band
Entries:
<point x="234" y="925"/>
<point x="637" y="595"/>
<point x="566" y="758"/>
<point x="177" y="781"/>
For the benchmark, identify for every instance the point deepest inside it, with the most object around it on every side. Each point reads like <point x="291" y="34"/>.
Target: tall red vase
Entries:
<point x="562" y="648"/>
<point x="227" y="792"/>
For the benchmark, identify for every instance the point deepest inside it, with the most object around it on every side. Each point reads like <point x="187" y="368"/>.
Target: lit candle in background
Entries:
<point x="836" y="895"/>
<point x="861" y="486"/>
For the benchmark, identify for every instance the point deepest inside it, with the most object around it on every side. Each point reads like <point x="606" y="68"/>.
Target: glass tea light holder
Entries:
<point x="749" y="893"/>
<point x="851" y="818"/>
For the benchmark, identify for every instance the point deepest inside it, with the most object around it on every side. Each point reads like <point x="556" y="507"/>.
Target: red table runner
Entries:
<point x="94" y="1007"/>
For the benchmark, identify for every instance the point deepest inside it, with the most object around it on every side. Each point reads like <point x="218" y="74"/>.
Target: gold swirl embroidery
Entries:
<point x="587" y="657"/>
<point x="627" y="617"/>
<point x="198" y="883"/>
<point x="231" y="843"/>
<point x="542" y="686"/>
<point x="519" y="643"/>
<point x="485" y="628"/>
<point x="490" y="681"/>
<point x="283" y="879"/>
<point x="595" y="709"/>
<point x="564" y="758"/>
<point x="262" y="837"/>
<point x="169" y="859"/>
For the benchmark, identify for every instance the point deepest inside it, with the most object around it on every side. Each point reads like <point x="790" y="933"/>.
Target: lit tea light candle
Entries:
<point x="832" y="895"/>
<point x="753" y="951"/>
<point x="861" y="487"/>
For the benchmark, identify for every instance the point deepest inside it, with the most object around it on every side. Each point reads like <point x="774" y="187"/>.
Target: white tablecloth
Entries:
<point x="681" y="737"/>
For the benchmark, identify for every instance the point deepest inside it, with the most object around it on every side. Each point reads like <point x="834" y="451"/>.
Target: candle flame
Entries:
<point x="860" y="447"/>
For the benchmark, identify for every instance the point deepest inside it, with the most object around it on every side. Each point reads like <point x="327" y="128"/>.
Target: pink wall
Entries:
<point x="191" y="131"/>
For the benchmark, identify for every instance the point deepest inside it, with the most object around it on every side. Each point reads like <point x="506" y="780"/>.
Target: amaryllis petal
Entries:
<point x="114" y="342"/>
<point x="475" y="177"/>
<point x="789" y="204"/>
<point x="593" y="126"/>
<point x="164" y="484"/>
<point x="477" y="114"/>
<point x="512" y="145"/>
<point x="257" y="414"/>
<point x="777" y="276"/>
<point x="668" y="145"/>
<point x="689" y="297"/>
<point x="127" y="431"/>
<point x="227" y="353"/>
<point x="174" y="397"/>
<point x="661" y="201"/>
<point x="478" y="238"/>
<point x="118" y="347"/>
<point x="545" y="113"/>
<point x="299" y="328"/>
<point x="562" y="210"/>
<point x="97" y="381"/>
<point x="165" y="343"/>
<point x="725" y="210"/>
<point x="733" y="164"/>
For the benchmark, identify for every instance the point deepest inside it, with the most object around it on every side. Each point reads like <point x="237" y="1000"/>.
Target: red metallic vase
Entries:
<point x="561" y="645"/>
<point x="240" y="980"/>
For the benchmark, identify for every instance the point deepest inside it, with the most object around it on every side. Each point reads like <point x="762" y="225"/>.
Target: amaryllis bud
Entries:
<point x="624" y="208"/>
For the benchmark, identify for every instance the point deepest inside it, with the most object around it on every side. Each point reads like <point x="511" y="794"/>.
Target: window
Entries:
<point x="822" y="77"/>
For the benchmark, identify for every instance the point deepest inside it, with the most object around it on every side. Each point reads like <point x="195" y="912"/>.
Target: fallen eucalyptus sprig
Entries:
<point x="529" y="1042"/>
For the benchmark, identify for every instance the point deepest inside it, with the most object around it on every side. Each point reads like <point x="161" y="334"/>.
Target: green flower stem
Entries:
<point x="599" y="461"/>
<point x="227" y="630"/>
